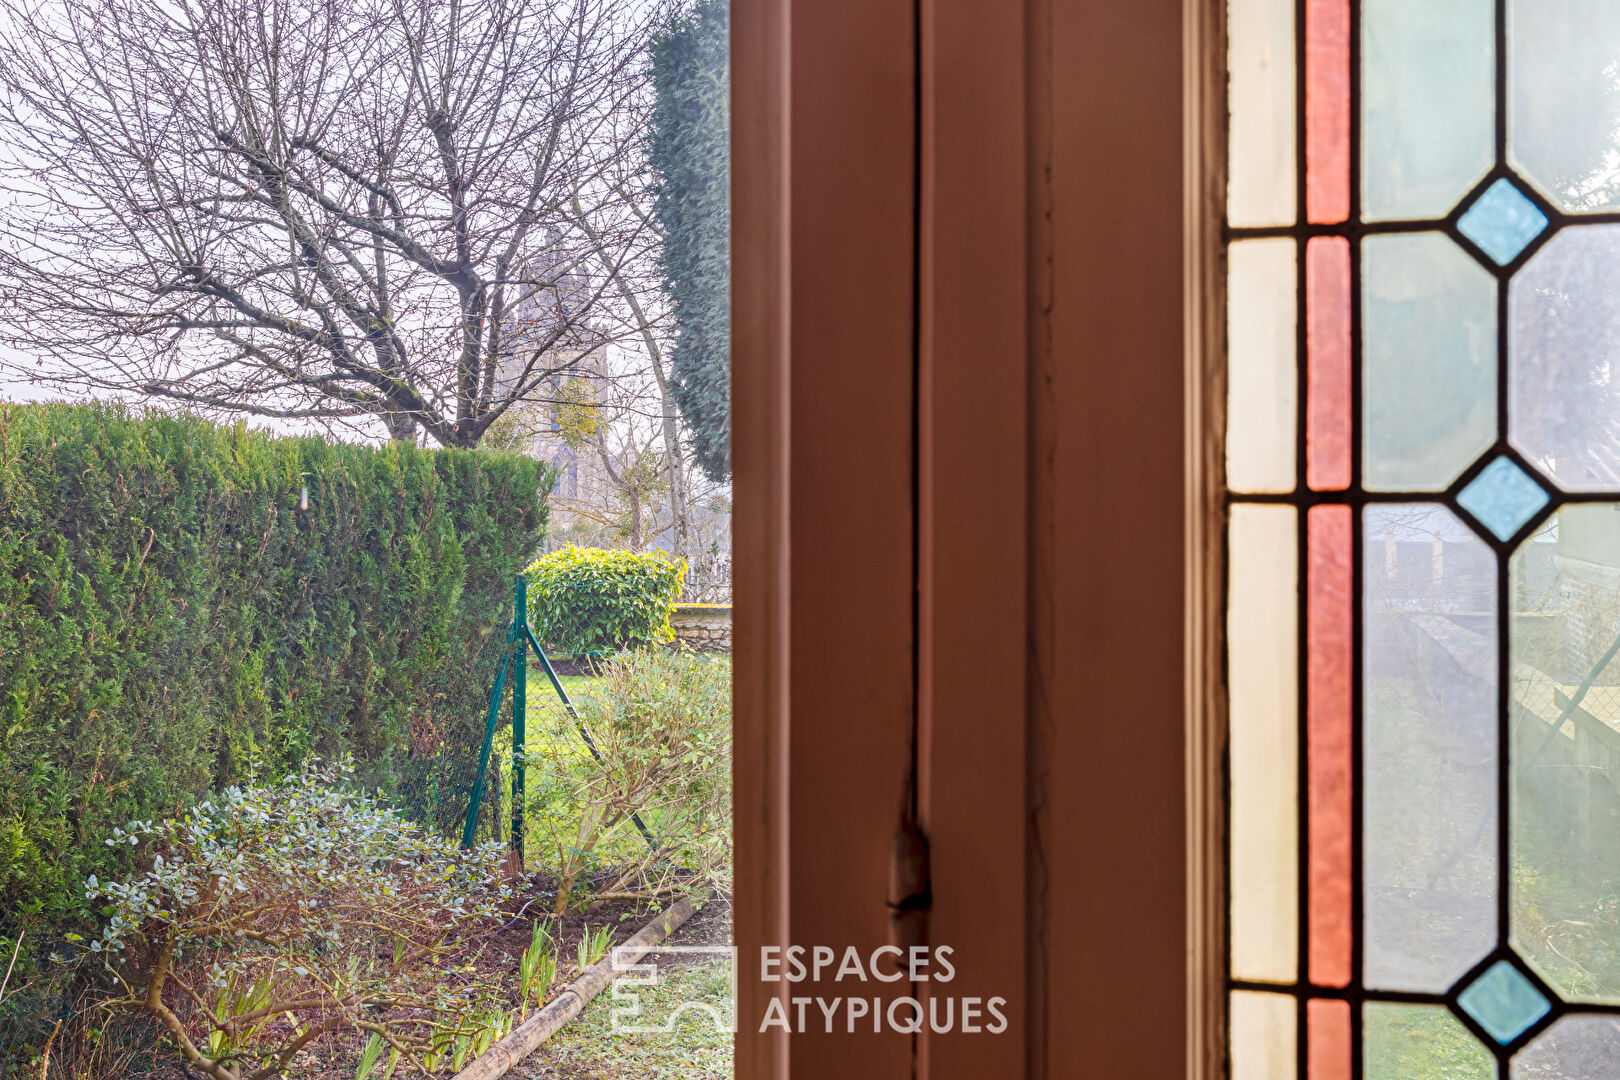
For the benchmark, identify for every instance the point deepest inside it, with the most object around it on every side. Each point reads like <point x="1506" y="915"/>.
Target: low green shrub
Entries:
<point x="592" y="600"/>
<point x="178" y="598"/>
<point x="661" y="721"/>
<point x="285" y="912"/>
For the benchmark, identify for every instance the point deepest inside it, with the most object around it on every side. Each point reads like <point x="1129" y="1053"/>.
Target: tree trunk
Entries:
<point x="671" y="419"/>
<point x="677" y="478"/>
<point x="401" y="429"/>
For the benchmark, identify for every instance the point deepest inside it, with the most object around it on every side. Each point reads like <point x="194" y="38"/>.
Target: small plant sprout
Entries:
<point x="369" y="1056"/>
<point x="536" y="967"/>
<point x="458" y="1055"/>
<point x="594" y="945"/>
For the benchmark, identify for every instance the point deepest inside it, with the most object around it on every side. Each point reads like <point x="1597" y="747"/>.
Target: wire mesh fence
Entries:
<point x="587" y="604"/>
<point x="434" y="784"/>
<point x="59" y="1032"/>
<point x="447" y="721"/>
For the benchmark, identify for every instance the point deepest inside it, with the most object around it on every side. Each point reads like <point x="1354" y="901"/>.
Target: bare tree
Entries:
<point x="640" y="307"/>
<point x="618" y="446"/>
<point x="612" y="439"/>
<point x="634" y="465"/>
<point x="336" y="210"/>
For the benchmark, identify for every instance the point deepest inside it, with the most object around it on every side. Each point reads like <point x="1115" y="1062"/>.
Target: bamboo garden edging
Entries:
<point x="527" y="1036"/>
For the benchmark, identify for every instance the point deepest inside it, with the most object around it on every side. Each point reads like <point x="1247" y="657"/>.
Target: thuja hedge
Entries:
<point x="172" y="605"/>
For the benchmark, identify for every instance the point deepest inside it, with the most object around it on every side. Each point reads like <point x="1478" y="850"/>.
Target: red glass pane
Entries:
<point x="1328" y="640"/>
<point x="1327" y="1029"/>
<point x="1327" y="347"/>
<point x="1327" y="111"/>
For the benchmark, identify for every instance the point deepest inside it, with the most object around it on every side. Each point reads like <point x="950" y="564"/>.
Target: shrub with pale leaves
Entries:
<point x="281" y="913"/>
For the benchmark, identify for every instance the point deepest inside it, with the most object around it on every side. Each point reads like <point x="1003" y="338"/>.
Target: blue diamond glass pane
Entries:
<point x="1502" y="221"/>
<point x="1503" y="1001"/>
<point x="1503" y="498"/>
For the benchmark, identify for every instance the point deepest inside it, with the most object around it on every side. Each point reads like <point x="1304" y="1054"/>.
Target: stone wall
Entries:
<point x="703" y="627"/>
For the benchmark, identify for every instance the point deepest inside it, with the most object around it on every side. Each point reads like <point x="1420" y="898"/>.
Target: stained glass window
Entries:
<point x="1423" y="540"/>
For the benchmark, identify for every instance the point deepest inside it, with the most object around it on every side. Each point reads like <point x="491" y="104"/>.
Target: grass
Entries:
<point x="548" y="725"/>
<point x="548" y="729"/>
<point x="589" y="1048"/>
<point x="541" y="694"/>
<point x="1422" y="1042"/>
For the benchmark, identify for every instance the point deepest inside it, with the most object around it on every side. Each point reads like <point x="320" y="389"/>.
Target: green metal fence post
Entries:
<point x="520" y="686"/>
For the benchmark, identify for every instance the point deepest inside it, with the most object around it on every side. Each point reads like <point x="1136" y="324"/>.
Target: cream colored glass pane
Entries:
<point x="1263" y="1036"/>
<point x="1262" y="380"/>
<point x="1262" y="666"/>
<point x="1260" y="60"/>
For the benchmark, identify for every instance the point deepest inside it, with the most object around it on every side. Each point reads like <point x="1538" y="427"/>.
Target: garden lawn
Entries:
<point x="548" y="729"/>
<point x="589" y="1048"/>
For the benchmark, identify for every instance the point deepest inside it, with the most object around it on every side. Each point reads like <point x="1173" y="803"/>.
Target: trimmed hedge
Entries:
<point x="169" y="610"/>
<point x="592" y="600"/>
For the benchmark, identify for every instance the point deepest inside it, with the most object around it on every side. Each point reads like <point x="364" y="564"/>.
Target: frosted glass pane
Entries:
<point x="1566" y="751"/>
<point x="1262" y="663"/>
<point x="1428" y="76"/>
<point x="1564" y="99"/>
<point x="1261" y="374"/>
<point x="1327" y="110"/>
<point x="1264" y="1035"/>
<point x="1503" y="1001"/>
<point x="1419" y="1042"/>
<point x="1564" y="358"/>
<point x="1329" y="743"/>
<point x="1327" y="1031"/>
<point x="1575" y="1048"/>
<point x="1428" y="361"/>
<point x="1429" y="730"/>
<point x="1260" y="66"/>
<point x="1327" y="335"/>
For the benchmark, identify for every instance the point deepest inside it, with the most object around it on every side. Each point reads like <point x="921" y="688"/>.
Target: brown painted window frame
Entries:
<point x="945" y="298"/>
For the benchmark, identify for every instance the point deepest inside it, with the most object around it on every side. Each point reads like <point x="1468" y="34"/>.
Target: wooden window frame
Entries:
<point x="976" y="398"/>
